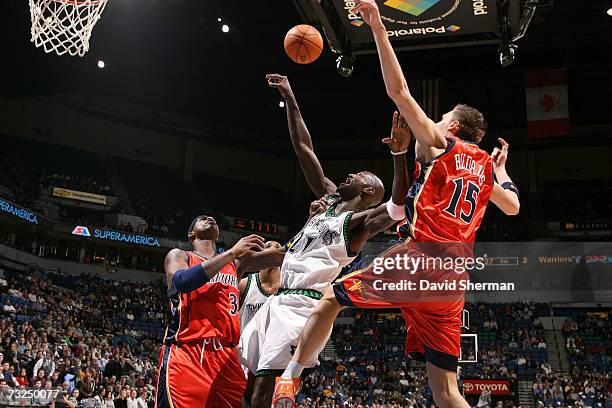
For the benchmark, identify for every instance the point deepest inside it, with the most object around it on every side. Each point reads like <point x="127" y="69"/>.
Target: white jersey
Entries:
<point x="318" y="253"/>
<point x="252" y="300"/>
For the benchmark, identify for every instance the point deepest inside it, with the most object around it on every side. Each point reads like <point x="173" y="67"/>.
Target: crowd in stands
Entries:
<point x="578" y="200"/>
<point x="92" y="342"/>
<point x="95" y="343"/>
<point x="37" y="166"/>
<point x="161" y="197"/>
<point x="253" y="201"/>
<point x="588" y="340"/>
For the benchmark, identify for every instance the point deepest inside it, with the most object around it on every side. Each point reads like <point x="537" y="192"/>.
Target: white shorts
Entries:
<point x="268" y="341"/>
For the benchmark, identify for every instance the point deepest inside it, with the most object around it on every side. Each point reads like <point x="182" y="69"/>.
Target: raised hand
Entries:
<point x="400" y="134"/>
<point x="369" y="13"/>
<point x="317" y="207"/>
<point x="247" y="244"/>
<point x="500" y="156"/>
<point x="281" y="83"/>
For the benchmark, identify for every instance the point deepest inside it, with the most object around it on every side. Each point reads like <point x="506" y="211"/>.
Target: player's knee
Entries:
<point x="263" y="390"/>
<point x="445" y="393"/>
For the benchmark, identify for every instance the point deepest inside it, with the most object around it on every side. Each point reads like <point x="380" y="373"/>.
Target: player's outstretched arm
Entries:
<point x="505" y="194"/>
<point x="422" y="127"/>
<point x="301" y="140"/>
<point x="257" y="261"/>
<point x="365" y="224"/>
<point x="185" y="279"/>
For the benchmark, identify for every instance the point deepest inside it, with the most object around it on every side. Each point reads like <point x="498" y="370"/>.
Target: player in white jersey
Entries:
<point x="256" y="288"/>
<point x="254" y="291"/>
<point x="315" y="256"/>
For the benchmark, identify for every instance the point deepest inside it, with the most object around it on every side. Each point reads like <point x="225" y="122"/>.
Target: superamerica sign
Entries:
<point x="116" y="236"/>
<point x="495" y="387"/>
<point x="17" y="211"/>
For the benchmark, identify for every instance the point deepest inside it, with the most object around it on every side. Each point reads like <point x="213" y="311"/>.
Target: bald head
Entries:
<point x="378" y="189"/>
<point x="364" y="188"/>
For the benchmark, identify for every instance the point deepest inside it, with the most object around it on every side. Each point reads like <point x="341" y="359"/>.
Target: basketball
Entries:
<point x="303" y="44"/>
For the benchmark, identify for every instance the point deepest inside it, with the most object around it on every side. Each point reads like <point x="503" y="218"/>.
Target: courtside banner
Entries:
<point x="422" y="19"/>
<point x="14" y="210"/>
<point x="118" y="236"/>
<point x="495" y="387"/>
<point x="79" y="195"/>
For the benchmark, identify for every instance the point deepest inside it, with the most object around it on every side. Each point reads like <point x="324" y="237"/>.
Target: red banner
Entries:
<point x="496" y="387"/>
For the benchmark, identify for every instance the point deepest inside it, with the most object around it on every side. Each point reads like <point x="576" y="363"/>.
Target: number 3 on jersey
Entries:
<point x="471" y="196"/>
<point x="233" y="303"/>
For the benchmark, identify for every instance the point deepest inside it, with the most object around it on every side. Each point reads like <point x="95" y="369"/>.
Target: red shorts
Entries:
<point x="433" y="318"/>
<point x="191" y="375"/>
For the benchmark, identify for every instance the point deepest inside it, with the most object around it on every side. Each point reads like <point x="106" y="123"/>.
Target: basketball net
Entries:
<point x="64" y="26"/>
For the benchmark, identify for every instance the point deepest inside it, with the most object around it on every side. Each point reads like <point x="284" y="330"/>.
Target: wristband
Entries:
<point x="508" y="185"/>
<point x="396" y="212"/>
<point x="186" y="280"/>
<point x="399" y="153"/>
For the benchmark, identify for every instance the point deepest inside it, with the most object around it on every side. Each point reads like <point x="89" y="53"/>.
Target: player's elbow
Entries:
<point x="400" y="94"/>
<point x="512" y="208"/>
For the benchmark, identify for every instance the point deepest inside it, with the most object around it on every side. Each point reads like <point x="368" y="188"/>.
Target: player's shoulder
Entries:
<point x="176" y="253"/>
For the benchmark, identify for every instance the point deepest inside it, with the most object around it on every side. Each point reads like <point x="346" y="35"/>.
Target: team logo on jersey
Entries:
<point x="357" y="286"/>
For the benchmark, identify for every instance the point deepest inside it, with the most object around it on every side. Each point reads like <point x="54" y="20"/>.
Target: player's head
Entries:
<point x="272" y="244"/>
<point x="464" y="122"/>
<point x="365" y="185"/>
<point x="203" y="227"/>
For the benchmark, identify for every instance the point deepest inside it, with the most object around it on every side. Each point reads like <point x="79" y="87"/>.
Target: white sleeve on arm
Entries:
<point x="396" y="212"/>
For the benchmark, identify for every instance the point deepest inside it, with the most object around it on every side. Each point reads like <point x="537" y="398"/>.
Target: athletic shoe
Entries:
<point x="284" y="392"/>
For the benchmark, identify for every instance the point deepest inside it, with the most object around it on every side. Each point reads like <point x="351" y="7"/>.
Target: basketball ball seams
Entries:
<point x="319" y="46"/>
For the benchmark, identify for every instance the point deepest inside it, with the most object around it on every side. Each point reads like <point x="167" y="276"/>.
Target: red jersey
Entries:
<point x="210" y="311"/>
<point x="449" y="195"/>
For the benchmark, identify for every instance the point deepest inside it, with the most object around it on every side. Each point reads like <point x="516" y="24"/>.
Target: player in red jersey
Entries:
<point x="445" y="205"/>
<point x="198" y="362"/>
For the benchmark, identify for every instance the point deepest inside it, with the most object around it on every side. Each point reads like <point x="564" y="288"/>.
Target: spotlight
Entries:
<point x="225" y="28"/>
<point x="219" y="19"/>
<point x="281" y="104"/>
<point x="610" y="11"/>
<point x="506" y="54"/>
<point x="101" y="64"/>
<point x="344" y="65"/>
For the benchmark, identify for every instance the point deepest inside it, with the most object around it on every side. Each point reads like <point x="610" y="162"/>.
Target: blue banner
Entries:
<point x="17" y="211"/>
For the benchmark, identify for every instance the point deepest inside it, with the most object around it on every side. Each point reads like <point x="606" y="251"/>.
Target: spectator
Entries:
<point x="121" y="400"/>
<point x="46" y="364"/>
<point x="132" y="401"/>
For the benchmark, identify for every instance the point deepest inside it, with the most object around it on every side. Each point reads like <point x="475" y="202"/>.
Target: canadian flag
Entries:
<point x="547" y="108"/>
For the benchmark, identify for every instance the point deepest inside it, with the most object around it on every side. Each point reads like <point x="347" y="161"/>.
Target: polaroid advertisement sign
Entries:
<point x="426" y="22"/>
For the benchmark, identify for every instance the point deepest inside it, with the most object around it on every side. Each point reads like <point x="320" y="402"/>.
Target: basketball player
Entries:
<point x="254" y="291"/>
<point x="315" y="256"/>
<point x="453" y="183"/>
<point x="198" y="362"/>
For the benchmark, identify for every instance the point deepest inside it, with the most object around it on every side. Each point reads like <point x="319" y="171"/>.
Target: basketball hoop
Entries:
<point x="64" y="26"/>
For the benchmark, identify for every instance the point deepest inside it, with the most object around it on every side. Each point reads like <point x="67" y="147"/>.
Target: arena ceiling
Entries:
<point x="172" y="55"/>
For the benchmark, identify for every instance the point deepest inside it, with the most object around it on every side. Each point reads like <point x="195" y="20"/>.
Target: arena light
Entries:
<point x="281" y="104"/>
<point x="610" y="11"/>
<point x="225" y="28"/>
<point x="101" y="64"/>
<point x="219" y="19"/>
